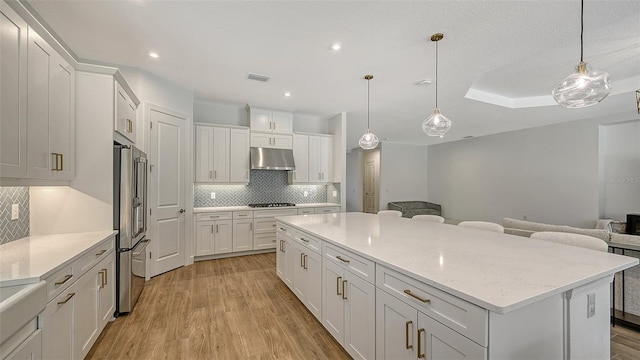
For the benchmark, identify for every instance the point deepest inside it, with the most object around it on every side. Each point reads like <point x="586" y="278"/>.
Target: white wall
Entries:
<point x="547" y="174"/>
<point x="403" y="173"/>
<point x="353" y="182"/>
<point x="621" y="165"/>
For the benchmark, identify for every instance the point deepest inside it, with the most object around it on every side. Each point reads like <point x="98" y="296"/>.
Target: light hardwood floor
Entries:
<point x="237" y="308"/>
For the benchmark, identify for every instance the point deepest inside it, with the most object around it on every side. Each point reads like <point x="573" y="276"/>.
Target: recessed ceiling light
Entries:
<point x="287" y="94"/>
<point x="153" y="54"/>
<point x="336" y="46"/>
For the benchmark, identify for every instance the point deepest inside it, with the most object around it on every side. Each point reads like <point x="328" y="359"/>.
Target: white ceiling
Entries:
<point x="507" y="53"/>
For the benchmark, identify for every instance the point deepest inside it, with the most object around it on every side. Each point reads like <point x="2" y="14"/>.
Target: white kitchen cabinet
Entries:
<point x="320" y="159"/>
<point x="301" y="159"/>
<point x="239" y="156"/>
<point x="268" y="140"/>
<point x="264" y="227"/>
<point x="13" y="93"/>
<point x="284" y="259"/>
<point x="125" y="114"/>
<point x="221" y="155"/>
<point x="327" y="210"/>
<point x="50" y="112"/>
<point x="271" y="121"/>
<point x="307" y="278"/>
<point x="57" y="324"/>
<point x="264" y="241"/>
<point x="223" y="240"/>
<point x="205" y="234"/>
<point x="30" y="349"/>
<point x="242" y="235"/>
<point x="214" y="237"/>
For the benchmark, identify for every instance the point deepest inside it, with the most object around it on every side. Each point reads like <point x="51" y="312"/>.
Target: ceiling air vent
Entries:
<point x="258" y="77"/>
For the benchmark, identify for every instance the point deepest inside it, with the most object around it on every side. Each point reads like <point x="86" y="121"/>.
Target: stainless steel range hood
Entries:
<point x="272" y="159"/>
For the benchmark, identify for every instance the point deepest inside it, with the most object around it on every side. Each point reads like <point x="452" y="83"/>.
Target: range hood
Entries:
<point x="272" y="159"/>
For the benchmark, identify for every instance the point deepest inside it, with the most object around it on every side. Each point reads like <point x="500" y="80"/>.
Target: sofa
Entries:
<point x="412" y="208"/>
<point x="526" y="228"/>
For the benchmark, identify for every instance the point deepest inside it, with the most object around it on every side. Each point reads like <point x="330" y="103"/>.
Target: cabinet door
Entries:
<point x="281" y="259"/>
<point x="221" y="155"/>
<point x="313" y="264"/>
<point x="264" y="225"/>
<point x="106" y="291"/>
<point x="204" y="237"/>
<point x="301" y="158"/>
<point x="239" y="168"/>
<point x="264" y="241"/>
<point x="326" y="158"/>
<point x="242" y="235"/>
<point x="396" y="324"/>
<point x="40" y="58"/>
<point x="132" y="120"/>
<point x="30" y="349"/>
<point x="261" y="140"/>
<point x="222" y="240"/>
<point x="62" y="123"/>
<point x="86" y="312"/>
<point x="204" y="154"/>
<point x="56" y="322"/>
<point x="124" y="123"/>
<point x="299" y="274"/>
<point x="289" y="262"/>
<point x="282" y="122"/>
<point x="260" y="120"/>
<point x="282" y="141"/>
<point x="13" y="93"/>
<point x="437" y="341"/>
<point x="359" y="317"/>
<point x="333" y="300"/>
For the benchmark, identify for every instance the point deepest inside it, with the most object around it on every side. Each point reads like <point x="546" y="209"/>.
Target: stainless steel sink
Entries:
<point x="18" y="305"/>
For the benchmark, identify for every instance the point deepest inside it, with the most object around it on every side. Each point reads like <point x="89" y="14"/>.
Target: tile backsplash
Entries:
<point x="265" y="186"/>
<point x="14" y="229"/>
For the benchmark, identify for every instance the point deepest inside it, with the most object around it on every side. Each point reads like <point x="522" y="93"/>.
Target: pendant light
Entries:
<point x="585" y="86"/>
<point x="369" y="140"/>
<point x="436" y="124"/>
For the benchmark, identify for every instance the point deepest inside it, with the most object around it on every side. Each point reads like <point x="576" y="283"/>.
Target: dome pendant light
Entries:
<point x="436" y="124"/>
<point x="585" y="86"/>
<point x="369" y="140"/>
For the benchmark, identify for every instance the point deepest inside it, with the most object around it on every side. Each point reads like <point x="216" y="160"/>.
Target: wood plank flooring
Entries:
<point x="238" y="308"/>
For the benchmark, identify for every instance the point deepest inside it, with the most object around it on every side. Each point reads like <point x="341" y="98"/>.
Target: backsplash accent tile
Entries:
<point x="265" y="186"/>
<point x="13" y="229"/>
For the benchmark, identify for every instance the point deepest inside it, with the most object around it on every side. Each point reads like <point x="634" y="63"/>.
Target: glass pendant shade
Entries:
<point x="369" y="140"/>
<point x="436" y="124"/>
<point x="584" y="87"/>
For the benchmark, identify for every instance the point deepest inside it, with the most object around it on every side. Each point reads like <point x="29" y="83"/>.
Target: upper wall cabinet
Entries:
<point x="13" y="94"/>
<point x="221" y="154"/>
<point x="271" y="121"/>
<point x="125" y="110"/>
<point x="313" y="155"/>
<point x="38" y="104"/>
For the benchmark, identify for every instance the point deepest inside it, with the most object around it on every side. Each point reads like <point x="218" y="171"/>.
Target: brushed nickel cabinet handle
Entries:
<point x="61" y="162"/>
<point x="406" y="334"/>
<point x="101" y="252"/>
<point x="338" y="285"/>
<point x="56" y="162"/>
<point x="106" y="277"/>
<point x="305" y="262"/>
<point x="210" y="174"/>
<point x="101" y="272"/>
<point x="343" y="260"/>
<point x="66" y="278"/>
<point x="69" y="296"/>
<point x="242" y="214"/>
<point x="215" y="174"/>
<point x="216" y="228"/>
<point x="408" y="292"/>
<point x="344" y="291"/>
<point x="303" y="239"/>
<point x="212" y="229"/>
<point x="301" y="256"/>
<point x="283" y="229"/>
<point x="421" y="355"/>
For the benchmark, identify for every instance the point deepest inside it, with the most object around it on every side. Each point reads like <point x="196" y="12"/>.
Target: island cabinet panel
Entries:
<point x="285" y="256"/>
<point x="307" y="278"/>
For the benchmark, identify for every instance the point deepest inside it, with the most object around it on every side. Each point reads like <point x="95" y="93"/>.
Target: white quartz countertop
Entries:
<point x="30" y="259"/>
<point x="245" y="208"/>
<point x="498" y="272"/>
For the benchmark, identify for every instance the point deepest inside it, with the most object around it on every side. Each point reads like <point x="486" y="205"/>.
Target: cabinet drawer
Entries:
<point x="214" y="216"/>
<point x="59" y="281"/>
<point x="326" y="210"/>
<point x="264" y="241"/>
<point x="265" y="225"/>
<point x="285" y="229"/>
<point x="461" y="316"/>
<point x="309" y="241"/>
<point x="94" y="256"/>
<point x="306" y="211"/>
<point x="355" y="263"/>
<point x="243" y="215"/>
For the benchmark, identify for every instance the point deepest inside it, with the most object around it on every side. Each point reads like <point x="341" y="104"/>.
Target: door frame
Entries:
<point x="188" y="180"/>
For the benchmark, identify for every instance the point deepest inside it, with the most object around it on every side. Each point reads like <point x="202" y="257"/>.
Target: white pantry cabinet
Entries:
<point x="320" y="158"/>
<point x="13" y="93"/>
<point x="222" y="154"/>
<point x="50" y="112"/>
<point x="125" y="114"/>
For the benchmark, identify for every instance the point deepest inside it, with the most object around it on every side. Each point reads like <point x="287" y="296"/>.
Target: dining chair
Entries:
<point x="432" y="218"/>
<point x="390" y="213"/>
<point x="572" y="239"/>
<point x="483" y="225"/>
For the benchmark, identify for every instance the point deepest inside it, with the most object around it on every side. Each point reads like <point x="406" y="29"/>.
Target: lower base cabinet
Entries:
<point x="284" y="260"/>
<point x="402" y="332"/>
<point x="30" y="349"/>
<point x="307" y="278"/>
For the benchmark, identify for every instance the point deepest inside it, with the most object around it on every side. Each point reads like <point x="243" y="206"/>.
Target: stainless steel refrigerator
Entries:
<point x="129" y="218"/>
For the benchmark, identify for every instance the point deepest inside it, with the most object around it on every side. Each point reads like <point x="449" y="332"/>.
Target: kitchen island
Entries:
<point x="444" y="291"/>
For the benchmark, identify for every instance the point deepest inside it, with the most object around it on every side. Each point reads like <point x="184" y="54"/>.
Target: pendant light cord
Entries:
<point x="581" y="27"/>
<point x="368" y="81"/>
<point x="436" y="74"/>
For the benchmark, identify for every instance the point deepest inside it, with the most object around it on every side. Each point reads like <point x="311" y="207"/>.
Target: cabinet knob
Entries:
<point x="181" y="211"/>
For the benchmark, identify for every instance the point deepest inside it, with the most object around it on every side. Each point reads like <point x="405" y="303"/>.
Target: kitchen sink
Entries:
<point x="19" y="305"/>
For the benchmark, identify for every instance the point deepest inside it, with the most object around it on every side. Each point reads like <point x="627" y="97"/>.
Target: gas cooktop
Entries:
<point x="272" y="205"/>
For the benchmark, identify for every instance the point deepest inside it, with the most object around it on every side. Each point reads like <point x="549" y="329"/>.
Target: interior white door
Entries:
<point x="370" y="187"/>
<point x="167" y="153"/>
